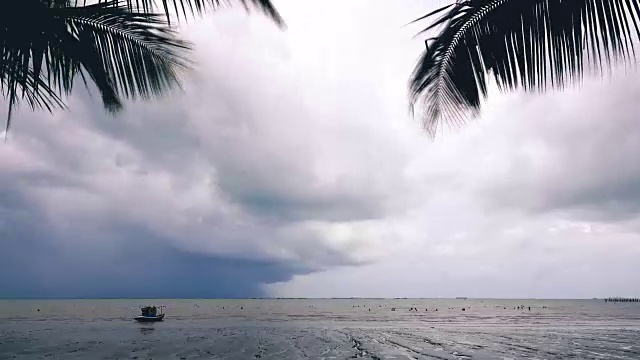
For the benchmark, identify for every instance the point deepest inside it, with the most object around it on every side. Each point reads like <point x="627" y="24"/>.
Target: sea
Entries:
<point x="321" y="329"/>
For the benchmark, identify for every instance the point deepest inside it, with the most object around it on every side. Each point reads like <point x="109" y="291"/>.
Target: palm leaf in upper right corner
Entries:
<point x="529" y="44"/>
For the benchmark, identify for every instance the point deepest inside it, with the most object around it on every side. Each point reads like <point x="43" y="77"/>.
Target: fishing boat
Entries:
<point x="150" y="314"/>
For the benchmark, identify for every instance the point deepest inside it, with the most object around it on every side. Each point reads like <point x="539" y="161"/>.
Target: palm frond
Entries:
<point x="124" y="46"/>
<point x="530" y="44"/>
<point x="30" y="89"/>
<point x="185" y="8"/>
<point x="127" y="55"/>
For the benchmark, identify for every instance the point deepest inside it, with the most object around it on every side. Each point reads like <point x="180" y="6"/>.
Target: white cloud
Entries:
<point x="297" y="147"/>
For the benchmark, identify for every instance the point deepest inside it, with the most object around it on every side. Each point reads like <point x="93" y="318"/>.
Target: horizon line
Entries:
<point x="299" y="298"/>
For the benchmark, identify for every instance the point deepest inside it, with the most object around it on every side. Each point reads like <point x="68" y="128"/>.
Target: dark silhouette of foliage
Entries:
<point x="533" y="45"/>
<point x="125" y="47"/>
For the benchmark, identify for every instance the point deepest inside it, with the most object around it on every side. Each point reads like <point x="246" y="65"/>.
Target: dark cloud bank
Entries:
<point x="33" y="264"/>
<point x="169" y="199"/>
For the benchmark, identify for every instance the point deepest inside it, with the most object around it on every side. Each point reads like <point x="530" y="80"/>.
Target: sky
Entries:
<point x="289" y="166"/>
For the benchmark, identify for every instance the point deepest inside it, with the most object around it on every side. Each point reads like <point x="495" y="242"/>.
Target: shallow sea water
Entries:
<point x="321" y="329"/>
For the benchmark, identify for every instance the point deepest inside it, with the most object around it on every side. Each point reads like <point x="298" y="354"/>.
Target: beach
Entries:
<point x="321" y="329"/>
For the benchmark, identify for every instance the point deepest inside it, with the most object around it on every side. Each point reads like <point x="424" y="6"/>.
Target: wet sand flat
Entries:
<point x="321" y="329"/>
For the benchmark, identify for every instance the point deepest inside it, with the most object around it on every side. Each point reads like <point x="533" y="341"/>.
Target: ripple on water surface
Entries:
<point x="321" y="329"/>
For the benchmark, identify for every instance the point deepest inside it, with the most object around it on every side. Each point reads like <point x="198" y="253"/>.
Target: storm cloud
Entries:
<point x="580" y="153"/>
<point x="289" y="165"/>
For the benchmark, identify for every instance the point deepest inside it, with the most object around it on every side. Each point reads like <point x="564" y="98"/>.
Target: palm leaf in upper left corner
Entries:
<point x="126" y="54"/>
<point x="184" y="8"/>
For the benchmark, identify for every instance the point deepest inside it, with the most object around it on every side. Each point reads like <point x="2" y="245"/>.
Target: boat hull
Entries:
<point x="149" y="318"/>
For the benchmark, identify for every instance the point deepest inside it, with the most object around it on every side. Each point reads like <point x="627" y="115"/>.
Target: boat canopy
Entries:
<point x="151" y="310"/>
